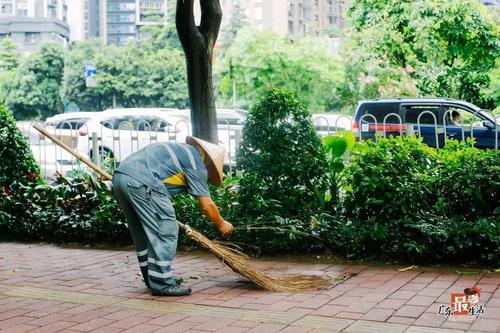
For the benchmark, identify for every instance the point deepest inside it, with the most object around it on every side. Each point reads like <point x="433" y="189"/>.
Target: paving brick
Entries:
<point x="233" y="329"/>
<point x="464" y="326"/>
<point x="92" y="324"/>
<point x="104" y="329"/>
<point x="143" y="328"/>
<point x="246" y="323"/>
<point x="348" y="315"/>
<point x="376" y="297"/>
<point x="55" y="317"/>
<point x="360" y="307"/>
<point x="13" y="313"/>
<point x="129" y="322"/>
<point x="420" y="329"/>
<point x="267" y="328"/>
<point x="411" y="311"/>
<point x="430" y="319"/>
<point x="177" y="327"/>
<point x="215" y="324"/>
<point x="329" y="310"/>
<point x="403" y="294"/>
<point x="414" y="286"/>
<point x="401" y="320"/>
<point x="421" y="300"/>
<point x="378" y="314"/>
<point x="486" y="325"/>
<point x="371" y="327"/>
<point x="168" y="319"/>
<point x="431" y="292"/>
<point x="391" y="303"/>
<point x="87" y="316"/>
<point x="54" y="327"/>
<point x="13" y="321"/>
<point x="295" y="329"/>
<point x="19" y="328"/>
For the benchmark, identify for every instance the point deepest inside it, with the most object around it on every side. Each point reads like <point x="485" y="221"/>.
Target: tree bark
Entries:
<point x="198" y="44"/>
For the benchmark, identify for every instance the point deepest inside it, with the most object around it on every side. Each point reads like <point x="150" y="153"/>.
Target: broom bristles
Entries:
<point x="238" y="262"/>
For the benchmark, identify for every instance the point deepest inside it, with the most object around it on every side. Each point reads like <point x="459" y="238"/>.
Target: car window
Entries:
<point x="455" y="115"/>
<point x="380" y="111"/>
<point x="123" y="123"/>
<point x="425" y="112"/>
<point x="72" y="124"/>
<point x="156" y="124"/>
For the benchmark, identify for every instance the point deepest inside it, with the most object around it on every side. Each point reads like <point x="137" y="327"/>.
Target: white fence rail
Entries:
<point x="111" y="143"/>
<point x="107" y="146"/>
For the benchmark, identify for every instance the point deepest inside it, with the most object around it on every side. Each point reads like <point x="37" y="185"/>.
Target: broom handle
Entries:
<point x="93" y="166"/>
<point x="104" y="174"/>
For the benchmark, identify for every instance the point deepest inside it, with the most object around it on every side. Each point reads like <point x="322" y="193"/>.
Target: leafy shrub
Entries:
<point x="337" y="146"/>
<point x="406" y="199"/>
<point x="468" y="183"/>
<point x="70" y="210"/>
<point x="16" y="160"/>
<point x="282" y="158"/>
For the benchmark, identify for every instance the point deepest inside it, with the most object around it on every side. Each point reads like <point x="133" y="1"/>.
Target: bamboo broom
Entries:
<point x="229" y="256"/>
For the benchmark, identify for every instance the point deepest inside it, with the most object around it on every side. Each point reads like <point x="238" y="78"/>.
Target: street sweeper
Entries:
<point x="143" y="185"/>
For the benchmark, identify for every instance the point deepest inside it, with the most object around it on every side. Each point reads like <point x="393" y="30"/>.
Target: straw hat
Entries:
<point x="214" y="158"/>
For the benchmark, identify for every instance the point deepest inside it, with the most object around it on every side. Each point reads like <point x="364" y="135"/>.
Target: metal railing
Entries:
<point x="108" y="144"/>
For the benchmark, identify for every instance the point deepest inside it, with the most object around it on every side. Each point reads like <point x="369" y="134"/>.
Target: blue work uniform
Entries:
<point x="143" y="185"/>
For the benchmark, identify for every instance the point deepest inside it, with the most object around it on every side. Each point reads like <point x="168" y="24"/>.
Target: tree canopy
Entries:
<point x="132" y="76"/>
<point x="442" y="47"/>
<point x="33" y="90"/>
<point x="261" y="60"/>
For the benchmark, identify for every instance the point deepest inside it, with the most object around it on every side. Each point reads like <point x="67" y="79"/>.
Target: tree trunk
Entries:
<point x="198" y="43"/>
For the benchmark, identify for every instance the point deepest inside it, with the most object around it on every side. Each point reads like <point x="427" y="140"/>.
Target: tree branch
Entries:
<point x="211" y="18"/>
<point x="184" y="21"/>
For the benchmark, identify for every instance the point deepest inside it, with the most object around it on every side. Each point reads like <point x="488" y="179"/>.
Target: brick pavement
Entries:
<point x="45" y="288"/>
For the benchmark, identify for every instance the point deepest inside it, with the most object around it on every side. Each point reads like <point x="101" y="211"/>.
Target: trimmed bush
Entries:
<point x="16" y="159"/>
<point x="406" y="200"/>
<point x="282" y="158"/>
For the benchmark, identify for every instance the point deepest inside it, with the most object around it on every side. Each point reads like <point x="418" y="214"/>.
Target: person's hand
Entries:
<point x="226" y="228"/>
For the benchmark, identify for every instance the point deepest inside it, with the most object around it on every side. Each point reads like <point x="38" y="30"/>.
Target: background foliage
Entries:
<point x="260" y="61"/>
<point x="442" y="48"/>
<point x="16" y="160"/>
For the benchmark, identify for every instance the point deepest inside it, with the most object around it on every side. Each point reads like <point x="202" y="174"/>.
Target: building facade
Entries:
<point x="83" y="19"/>
<point x="291" y="18"/>
<point x="30" y="23"/>
<point x="120" y="20"/>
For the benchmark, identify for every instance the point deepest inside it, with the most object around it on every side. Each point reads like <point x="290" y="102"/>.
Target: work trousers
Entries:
<point x="153" y="227"/>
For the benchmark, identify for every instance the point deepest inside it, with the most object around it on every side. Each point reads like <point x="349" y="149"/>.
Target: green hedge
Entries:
<point x="16" y="160"/>
<point x="402" y="200"/>
<point x="392" y="199"/>
<point x="406" y="200"/>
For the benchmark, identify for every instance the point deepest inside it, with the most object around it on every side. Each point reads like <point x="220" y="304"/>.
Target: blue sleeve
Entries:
<point x="197" y="182"/>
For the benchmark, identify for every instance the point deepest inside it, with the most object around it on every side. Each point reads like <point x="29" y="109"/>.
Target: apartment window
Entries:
<point x="291" y="28"/>
<point x="117" y="29"/>
<point x="121" y="18"/>
<point x="31" y="37"/>
<point x="121" y="7"/>
<point x="7" y="8"/>
<point x="52" y="12"/>
<point x="291" y="9"/>
<point x="22" y="12"/>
